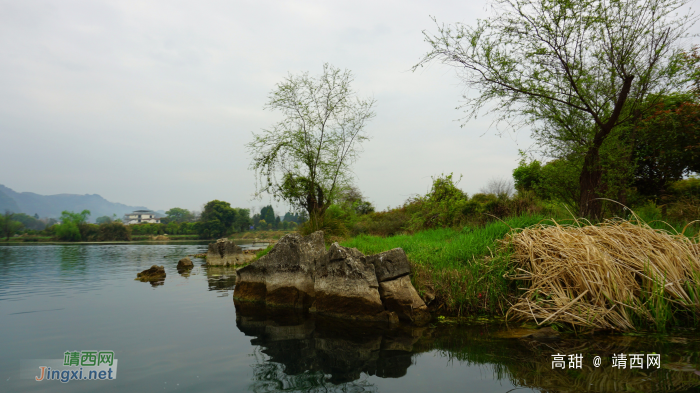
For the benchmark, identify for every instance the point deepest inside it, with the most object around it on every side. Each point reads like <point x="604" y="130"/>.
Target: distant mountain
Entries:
<point x="52" y="205"/>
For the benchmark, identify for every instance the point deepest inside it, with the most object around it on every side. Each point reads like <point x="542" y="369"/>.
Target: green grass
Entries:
<point x="463" y="269"/>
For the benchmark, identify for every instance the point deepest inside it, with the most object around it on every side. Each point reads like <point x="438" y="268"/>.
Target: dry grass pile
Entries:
<point x="615" y="275"/>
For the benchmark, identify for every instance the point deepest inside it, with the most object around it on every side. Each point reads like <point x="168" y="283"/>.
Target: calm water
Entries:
<point x="185" y="335"/>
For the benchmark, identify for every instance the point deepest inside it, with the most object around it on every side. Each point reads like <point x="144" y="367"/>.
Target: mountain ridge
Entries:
<point x="52" y="205"/>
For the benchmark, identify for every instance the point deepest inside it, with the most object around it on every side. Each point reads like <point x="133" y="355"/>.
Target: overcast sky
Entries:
<point x="151" y="103"/>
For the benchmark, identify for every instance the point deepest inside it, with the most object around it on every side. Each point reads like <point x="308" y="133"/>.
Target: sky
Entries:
<point x="151" y="103"/>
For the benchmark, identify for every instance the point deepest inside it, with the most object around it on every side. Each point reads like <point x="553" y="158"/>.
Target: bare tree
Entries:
<point x="500" y="187"/>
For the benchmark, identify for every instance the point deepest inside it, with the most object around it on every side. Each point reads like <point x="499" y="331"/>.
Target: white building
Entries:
<point x="141" y="216"/>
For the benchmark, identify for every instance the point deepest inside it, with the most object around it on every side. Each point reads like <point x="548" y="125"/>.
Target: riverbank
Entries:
<point x="478" y="271"/>
<point x="252" y="236"/>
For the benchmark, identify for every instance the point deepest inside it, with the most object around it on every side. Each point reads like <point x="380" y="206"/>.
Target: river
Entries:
<point x="187" y="335"/>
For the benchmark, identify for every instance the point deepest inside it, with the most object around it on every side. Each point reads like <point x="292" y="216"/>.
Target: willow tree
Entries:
<point x="575" y="70"/>
<point x="305" y="158"/>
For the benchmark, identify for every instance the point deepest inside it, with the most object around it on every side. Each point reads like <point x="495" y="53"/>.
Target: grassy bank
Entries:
<point x="615" y="275"/>
<point x="459" y="271"/>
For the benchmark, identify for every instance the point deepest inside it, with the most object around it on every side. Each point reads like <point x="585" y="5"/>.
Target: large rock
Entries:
<point x="346" y="286"/>
<point x="154" y="273"/>
<point x="225" y="252"/>
<point x="285" y="276"/>
<point x="390" y="265"/>
<point x="340" y="283"/>
<point x="400" y="297"/>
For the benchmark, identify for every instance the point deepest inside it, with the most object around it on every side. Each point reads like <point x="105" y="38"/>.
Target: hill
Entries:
<point x="52" y="205"/>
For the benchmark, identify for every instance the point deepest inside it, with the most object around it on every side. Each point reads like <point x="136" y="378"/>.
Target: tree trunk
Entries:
<point x="589" y="182"/>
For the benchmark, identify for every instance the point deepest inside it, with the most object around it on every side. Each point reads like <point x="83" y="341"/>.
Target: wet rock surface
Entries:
<point x="154" y="273"/>
<point x="340" y="282"/>
<point x="284" y="276"/>
<point x="401" y="297"/>
<point x="184" y="264"/>
<point x="226" y="253"/>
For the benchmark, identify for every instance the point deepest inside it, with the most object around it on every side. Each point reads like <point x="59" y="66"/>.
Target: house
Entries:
<point x="141" y="216"/>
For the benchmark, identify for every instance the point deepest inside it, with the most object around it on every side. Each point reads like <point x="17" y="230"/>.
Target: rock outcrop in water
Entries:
<point x="154" y="273"/>
<point x="184" y="264"/>
<point x="283" y="277"/>
<point x="341" y="282"/>
<point x="225" y="252"/>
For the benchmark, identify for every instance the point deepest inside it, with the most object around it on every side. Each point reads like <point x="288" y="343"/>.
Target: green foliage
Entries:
<point x="578" y="72"/>
<point x="305" y="158"/>
<point x="179" y="215"/>
<point x="103" y="220"/>
<point x="527" y="176"/>
<point x="267" y="213"/>
<point x="667" y="144"/>
<point x="450" y="262"/>
<point x="9" y="225"/>
<point x="69" y="228"/>
<point x="29" y="222"/>
<point x="686" y="188"/>
<point x="332" y="223"/>
<point x="67" y="231"/>
<point x="243" y="221"/>
<point x="114" y="231"/>
<point x="441" y="207"/>
<point x="217" y="219"/>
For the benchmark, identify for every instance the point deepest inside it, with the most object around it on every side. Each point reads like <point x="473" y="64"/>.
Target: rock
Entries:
<point x="400" y="297"/>
<point x="544" y="334"/>
<point x="346" y="286"/>
<point x="390" y="265"/>
<point x="185" y="264"/>
<point x="154" y="273"/>
<point x="285" y="275"/>
<point x="225" y="252"/>
<point x="340" y="283"/>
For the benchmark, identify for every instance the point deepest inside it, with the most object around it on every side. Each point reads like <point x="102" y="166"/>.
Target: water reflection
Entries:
<point x="296" y="352"/>
<point x="73" y="259"/>
<point x="221" y="278"/>
<point x="301" y="351"/>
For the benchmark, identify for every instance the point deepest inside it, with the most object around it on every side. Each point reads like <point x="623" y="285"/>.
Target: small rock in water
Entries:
<point x="185" y="264"/>
<point x="154" y="273"/>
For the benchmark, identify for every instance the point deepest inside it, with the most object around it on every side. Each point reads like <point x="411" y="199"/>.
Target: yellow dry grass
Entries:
<point x="605" y="276"/>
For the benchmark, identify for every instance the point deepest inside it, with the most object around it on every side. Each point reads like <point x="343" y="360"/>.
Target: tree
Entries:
<point x="575" y="70"/>
<point x="217" y="219"/>
<point x="179" y="215"/>
<point x="29" y="222"/>
<point x="268" y="214"/>
<point x="667" y="145"/>
<point x="306" y="157"/>
<point x="502" y="188"/>
<point x="243" y="220"/>
<point x="69" y="228"/>
<point x="103" y="220"/>
<point x="8" y="225"/>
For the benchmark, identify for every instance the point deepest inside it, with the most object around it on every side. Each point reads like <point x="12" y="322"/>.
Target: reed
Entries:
<point x="618" y="274"/>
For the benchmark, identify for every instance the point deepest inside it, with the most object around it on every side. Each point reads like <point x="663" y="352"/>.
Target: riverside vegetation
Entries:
<point x="495" y="252"/>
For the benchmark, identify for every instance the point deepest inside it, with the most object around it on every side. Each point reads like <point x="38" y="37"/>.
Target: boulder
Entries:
<point x="340" y="283"/>
<point x="400" y="297"/>
<point x="285" y="276"/>
<point x="154" y="273"/>
<point x="185" y="264"/>
<point x="390" y="265"/>
<point x="225" y="252"/>
<point x="346" y="286"/>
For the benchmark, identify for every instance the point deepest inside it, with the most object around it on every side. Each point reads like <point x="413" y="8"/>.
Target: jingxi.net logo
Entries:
<point x="75" y="366"/>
